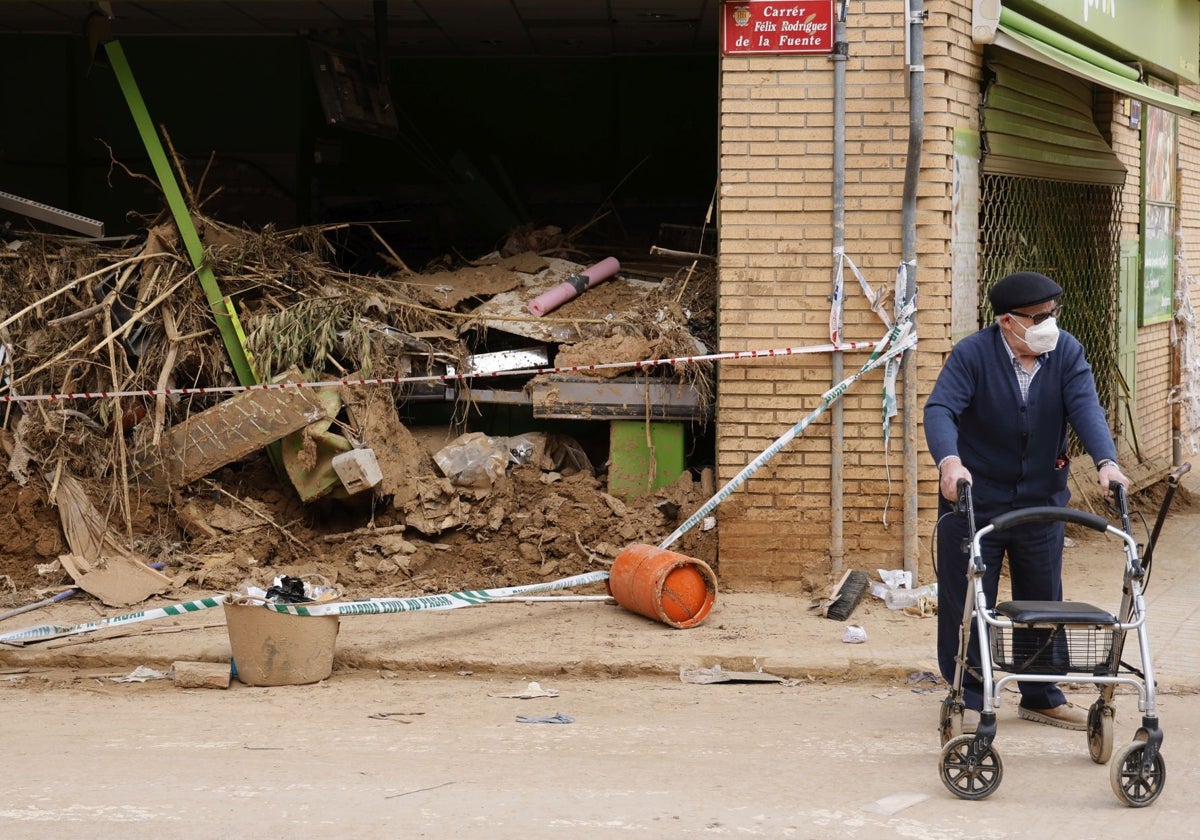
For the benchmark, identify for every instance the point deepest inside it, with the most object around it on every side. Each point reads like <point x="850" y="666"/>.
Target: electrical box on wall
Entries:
<point x="985" y="18"/>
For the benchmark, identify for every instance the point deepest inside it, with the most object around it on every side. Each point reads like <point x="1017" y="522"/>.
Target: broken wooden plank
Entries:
<point x="401" y="457"/>
<point x="227" y="432"/>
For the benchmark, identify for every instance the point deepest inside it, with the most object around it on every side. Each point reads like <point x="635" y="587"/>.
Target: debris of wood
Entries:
<point x="98" y="564"/>
<point x="119" y="581"/>
<point x="131" y="316"/>
<point x="194" y="521"/>
<point x="254" y="511"/>
<point x="617" y="348"/>
<point x="527" y="262"/>
<point x="447" y="289"/>
<point x="228" y="432"/>
<point x="401" y="458"/>
<point x="364" y="532"/>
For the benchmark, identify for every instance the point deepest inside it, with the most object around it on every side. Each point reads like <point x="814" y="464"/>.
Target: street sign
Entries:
<point x="773" y="27"/>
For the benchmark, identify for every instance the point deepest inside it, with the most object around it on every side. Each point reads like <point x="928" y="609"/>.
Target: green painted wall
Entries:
<point x="1162" y="33"/>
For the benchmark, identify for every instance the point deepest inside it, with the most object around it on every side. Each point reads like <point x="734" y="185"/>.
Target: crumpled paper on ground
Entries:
<point x="531" y="691"/>
<point x="140" y="674"/>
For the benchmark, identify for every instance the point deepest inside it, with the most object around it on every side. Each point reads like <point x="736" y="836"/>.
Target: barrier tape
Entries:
<point x="445" y="377"/>
<point x="448" y="601"/>
<point x="875" y="298"/>
<point x="53" y="631"/>
<point x="901" y="337"/>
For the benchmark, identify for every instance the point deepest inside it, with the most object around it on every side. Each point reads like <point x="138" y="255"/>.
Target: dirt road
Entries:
<point x="387" y="755"/>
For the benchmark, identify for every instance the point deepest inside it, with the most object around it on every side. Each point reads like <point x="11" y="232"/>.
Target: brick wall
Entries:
<point x="776" y="242"/>
<point x="1154" y="376"/>
<point x="776" y="224"/>
<point x="1188" y="246"/>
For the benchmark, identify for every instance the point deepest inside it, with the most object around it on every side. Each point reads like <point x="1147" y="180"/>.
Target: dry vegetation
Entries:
<point x="81" y="317"/>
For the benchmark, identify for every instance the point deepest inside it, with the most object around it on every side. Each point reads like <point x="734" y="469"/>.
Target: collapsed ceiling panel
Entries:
<point x="475" y="27"/>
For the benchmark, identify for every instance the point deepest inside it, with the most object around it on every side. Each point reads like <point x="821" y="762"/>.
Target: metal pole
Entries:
<point x="908" y="363"/>
<point x="837" y="544"/>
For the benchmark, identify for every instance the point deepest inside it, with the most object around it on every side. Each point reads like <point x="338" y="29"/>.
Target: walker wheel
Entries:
<point x="1131" y="785"/>
<point x="968" y="777"/>
<point x="950" y="720"/>
<point x="1100" y="731"/>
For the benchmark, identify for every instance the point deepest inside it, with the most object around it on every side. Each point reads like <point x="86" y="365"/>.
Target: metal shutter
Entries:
<point x="1038" y="123"/>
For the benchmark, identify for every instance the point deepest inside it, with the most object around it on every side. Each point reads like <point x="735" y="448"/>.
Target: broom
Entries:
<point x="847" y="595"/>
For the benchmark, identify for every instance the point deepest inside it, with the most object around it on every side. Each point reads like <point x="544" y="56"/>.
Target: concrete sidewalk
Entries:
<point x="776" y="633"/>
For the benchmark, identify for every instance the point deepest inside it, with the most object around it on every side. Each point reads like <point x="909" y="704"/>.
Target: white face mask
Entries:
<point x="1041" y="338"/>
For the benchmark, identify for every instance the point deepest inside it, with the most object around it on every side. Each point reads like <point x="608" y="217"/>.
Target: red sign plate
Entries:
<point x="770" y="26"/>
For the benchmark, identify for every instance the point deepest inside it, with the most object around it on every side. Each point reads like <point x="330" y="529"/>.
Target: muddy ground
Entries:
<point x="533" y="526"/>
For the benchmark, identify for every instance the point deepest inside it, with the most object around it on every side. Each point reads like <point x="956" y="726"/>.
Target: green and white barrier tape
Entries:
<point x="45" y="632"/>
<point x="899" y="338"/>
<point x="448" y="601"/>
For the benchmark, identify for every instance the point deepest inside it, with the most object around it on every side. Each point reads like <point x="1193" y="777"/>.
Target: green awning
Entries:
<point x="1022" y="44"/>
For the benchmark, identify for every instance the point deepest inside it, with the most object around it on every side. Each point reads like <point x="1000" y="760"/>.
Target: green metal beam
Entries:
<point x="183" y="217"/>
<point x="221" y="306"/>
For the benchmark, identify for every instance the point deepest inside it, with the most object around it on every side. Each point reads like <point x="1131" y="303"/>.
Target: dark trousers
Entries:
<point x="1035" y="568"/>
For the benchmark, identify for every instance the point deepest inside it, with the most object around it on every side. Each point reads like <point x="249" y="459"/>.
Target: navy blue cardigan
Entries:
<point x="1013" y="448"/>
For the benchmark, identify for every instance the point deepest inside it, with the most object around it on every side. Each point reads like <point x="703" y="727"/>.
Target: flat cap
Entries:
<point x="1024" y="288"/>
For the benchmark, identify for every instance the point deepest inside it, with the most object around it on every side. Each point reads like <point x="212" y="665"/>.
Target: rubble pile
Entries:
<point x="135" y="445"/>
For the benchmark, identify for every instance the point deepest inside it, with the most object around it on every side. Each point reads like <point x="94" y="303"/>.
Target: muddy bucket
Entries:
<point x="660" y="584"/>
<point x="274" y="648"/>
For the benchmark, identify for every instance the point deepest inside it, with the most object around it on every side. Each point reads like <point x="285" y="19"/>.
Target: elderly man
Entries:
<point x="998" y="418"/>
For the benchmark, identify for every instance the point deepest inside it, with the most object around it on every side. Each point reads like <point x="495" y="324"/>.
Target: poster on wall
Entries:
<point x="1158" y="264"/>
<point x="775" y="28"/>
<point x="1158" y="217"/>
<point x="964" y="236"/>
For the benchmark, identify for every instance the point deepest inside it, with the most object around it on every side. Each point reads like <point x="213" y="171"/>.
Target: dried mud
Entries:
<point x="533" y="526"/>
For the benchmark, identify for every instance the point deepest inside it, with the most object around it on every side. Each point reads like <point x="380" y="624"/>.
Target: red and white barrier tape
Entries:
<point x="447" y="377"/>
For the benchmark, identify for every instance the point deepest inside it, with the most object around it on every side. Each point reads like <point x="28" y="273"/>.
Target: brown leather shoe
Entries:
<point x="1066" y="716"/>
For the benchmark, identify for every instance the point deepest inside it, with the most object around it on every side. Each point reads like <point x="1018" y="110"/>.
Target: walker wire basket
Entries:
<point x="1058" y="649"/>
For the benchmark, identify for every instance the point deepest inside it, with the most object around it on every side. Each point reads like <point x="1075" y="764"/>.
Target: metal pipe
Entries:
<point x="45" y="602"/>
<point x="61" y="596"/>
<point x="837" y="544"/>
<point x="908" y="363"/>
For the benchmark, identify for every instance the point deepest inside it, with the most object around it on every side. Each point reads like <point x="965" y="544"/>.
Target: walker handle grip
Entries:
<point x="1049" y="514"/>
<point x="1121" y="503"/>
<point x="963" y="503"/>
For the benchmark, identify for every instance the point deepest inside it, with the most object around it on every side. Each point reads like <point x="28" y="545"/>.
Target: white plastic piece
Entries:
<point x="358" y="469"/>
<point x="855" y="634"/>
